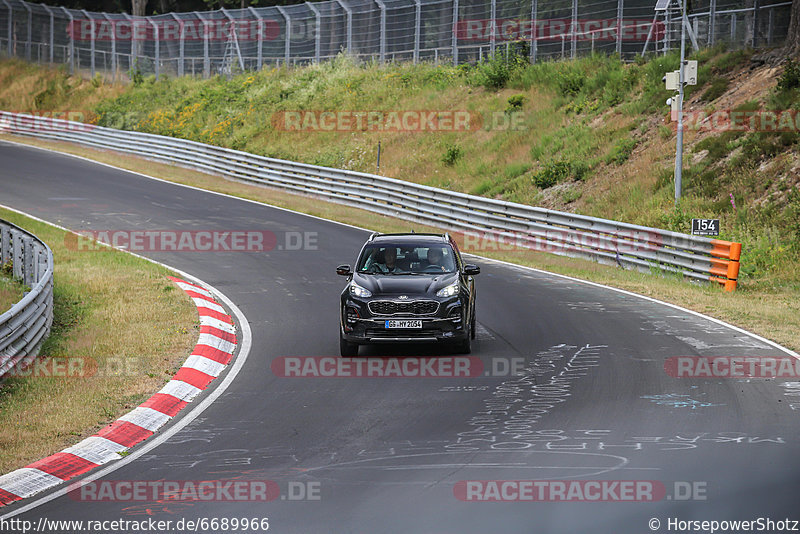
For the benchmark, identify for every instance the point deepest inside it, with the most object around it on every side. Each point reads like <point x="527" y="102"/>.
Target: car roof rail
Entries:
<point x="447" y="237"/>
<point x="372" y="236"/>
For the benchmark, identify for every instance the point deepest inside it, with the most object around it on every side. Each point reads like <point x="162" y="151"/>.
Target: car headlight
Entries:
<point x="358" y="291"/>
<point x="448" y="291"/>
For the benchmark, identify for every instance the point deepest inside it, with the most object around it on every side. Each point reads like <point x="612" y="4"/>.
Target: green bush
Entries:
<point x="790" y="78"/>
<point x="717" y="88"/>
<point x="557" y="171"/>
<point x="515" y="103"/>
<point x="621" y="151"/>
<point x="451" y="154"/>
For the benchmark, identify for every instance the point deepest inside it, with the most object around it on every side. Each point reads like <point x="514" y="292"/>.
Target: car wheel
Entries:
<point x="347" y="349"/>
<point x="472" y="327"/>
<point x="465" y="347"/>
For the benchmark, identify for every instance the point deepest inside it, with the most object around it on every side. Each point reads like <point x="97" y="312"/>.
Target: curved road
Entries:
<point x="386" y="454"/>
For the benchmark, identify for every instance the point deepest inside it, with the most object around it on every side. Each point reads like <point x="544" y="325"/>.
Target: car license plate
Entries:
<point x="411" y="323"/>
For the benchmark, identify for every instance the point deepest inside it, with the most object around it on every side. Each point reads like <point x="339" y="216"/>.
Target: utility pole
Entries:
<point x="681" y="80"/>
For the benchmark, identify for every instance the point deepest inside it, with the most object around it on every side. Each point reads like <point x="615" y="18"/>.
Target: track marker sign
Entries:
<point x="708" y="227"/>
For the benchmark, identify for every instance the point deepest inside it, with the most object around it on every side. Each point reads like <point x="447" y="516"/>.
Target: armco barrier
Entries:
<point x="605" y="241"/>
<point x="27" y="323"/>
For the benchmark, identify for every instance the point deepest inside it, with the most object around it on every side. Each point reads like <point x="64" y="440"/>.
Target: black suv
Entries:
<point x="408" y="288"/>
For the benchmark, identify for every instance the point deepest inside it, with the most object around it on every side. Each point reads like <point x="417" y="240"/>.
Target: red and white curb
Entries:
<point x="214" y="350"/>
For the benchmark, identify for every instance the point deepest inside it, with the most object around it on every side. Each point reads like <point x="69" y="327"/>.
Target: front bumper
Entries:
<point x="446" y="326"/>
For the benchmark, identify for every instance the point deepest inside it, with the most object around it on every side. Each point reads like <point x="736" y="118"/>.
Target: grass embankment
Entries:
<point x="117" y="317"/>
<point x="593" y="140"/>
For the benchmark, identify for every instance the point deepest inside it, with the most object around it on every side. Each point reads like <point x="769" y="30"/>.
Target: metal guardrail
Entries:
<point x="25" y="326"/>
<point x="480" y="220"/>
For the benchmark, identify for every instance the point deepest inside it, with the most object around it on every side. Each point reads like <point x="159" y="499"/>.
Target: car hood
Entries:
<point x="404" y="284"/>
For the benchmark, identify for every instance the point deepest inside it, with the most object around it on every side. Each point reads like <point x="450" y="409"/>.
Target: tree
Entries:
<point x="138" y="7"/>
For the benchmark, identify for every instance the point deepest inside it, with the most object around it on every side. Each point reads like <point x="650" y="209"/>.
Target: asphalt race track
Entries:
<point x="390" y="455"/>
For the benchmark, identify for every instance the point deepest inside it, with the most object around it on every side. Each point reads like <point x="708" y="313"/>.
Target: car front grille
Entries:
<point x="378" y="333"/>
<point x="411" y="307"/>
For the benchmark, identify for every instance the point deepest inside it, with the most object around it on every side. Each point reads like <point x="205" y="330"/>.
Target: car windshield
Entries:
<point x="387" y="258"/>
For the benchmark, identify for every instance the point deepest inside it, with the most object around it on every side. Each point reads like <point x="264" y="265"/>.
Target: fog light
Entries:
<point x="352" y="315"/>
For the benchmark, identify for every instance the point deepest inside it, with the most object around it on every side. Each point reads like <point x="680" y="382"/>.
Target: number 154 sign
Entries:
<point x="705" y="226"/>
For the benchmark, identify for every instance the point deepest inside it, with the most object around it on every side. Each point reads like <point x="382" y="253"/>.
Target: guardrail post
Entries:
<point x="455" y="33"/>
<point x="287" y="35"/>
<point x="17" y="247"/>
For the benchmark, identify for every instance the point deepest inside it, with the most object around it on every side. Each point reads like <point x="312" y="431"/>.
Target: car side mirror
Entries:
<point x="343" y="270"/>
<point x="471" y="270"/>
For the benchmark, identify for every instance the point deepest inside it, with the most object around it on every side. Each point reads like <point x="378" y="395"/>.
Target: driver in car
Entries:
<point x="435" y="258"/>
<point x="389" y="264"/>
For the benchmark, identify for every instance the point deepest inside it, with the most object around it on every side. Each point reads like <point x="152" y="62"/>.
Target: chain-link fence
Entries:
<point x="453" y="31"/>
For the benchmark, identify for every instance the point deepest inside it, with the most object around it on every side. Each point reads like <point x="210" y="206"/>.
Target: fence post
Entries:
<point x="113" y="46"/>
<point x="620" y="10"/>
<point x="29" y="42"/>
<point x="287" y="35"/>
<point x="574" y="36"/>
<point x="534" y="37"/>
<point x="317" y="32"/>
<point x="71" y="33"/>
<point x="260" y="52"/>
<point x="493" y="21"/>
<point x="712" y="22"/>
<point x="91" y="39"/>
<point x="10" y="27"/>
<point x="52" y="31"/>
<point x="181" y="42"/>
<point x="455" y="33"/>
<point x="733" y="26"/>
<point x="769" y="27"/>
<point x="755" y="23"/>
<point x="157" y="42"/>
<point x="382" y="50"/>
<point x="206" y="59"/>
<point x="417" y="28"/>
